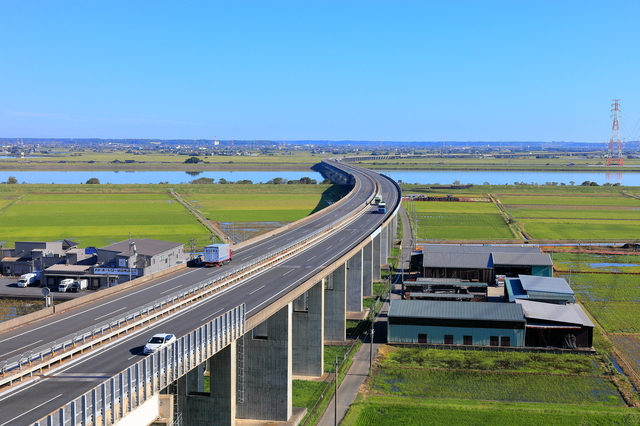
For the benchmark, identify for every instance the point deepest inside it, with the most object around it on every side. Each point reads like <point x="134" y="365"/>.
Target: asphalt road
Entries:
<point x="28" y="402"/>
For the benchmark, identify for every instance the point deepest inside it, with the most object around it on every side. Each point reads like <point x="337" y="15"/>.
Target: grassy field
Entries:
<point x="98" y="215"/>
<point x="265" y="203"/>
<point x="460" y="221"/>
<point x="393" y="411"/>
<point x="426" y="386"/>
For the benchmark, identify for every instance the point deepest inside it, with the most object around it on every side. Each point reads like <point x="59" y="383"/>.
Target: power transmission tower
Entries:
<point x="614" y="151"/>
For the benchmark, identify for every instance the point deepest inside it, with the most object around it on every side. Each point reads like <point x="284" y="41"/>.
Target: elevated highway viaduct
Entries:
<point x="253" y="334"/>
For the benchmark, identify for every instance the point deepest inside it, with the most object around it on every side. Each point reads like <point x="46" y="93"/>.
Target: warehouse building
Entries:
<point x="483" y="263"/>
<point x="133" y="259"/>
<point x="31" y="256"/>
<point x="456" y="323"/>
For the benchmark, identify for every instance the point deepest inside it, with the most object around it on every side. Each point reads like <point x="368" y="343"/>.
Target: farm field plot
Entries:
<point x="393" y="411"/>
<point x="416" y="386"/>
<point x="263" y="203"/>
<point x="611" y="298"/>
<point x="98" y="219"/>
<point x="571" y="217"/>
<point x="460" y="221"/>
<point x="581" y="229"/>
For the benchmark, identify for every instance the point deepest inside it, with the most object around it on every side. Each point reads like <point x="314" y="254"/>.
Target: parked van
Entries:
<point x="65" y="285"/>
<point x="27" y="279"/>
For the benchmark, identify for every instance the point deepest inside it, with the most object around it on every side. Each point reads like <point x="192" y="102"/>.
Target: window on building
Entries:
<point x="448" y="339"/>
<point x="422" y="338"/>
<point x="505" y="341"/>
<point x="493" y="340"/>
<point x="467" y="340"/>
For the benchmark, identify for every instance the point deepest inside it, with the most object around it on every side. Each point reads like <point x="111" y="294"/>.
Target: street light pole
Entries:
<point x="371" y="349"/>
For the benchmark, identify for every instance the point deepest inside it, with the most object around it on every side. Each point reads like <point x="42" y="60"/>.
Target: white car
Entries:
<point x="158" y="341"/>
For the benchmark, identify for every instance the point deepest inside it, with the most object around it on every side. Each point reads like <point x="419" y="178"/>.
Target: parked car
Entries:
<point x="158" y="341"/>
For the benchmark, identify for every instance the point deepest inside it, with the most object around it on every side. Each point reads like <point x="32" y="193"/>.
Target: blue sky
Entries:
<point x="475" y="70"/>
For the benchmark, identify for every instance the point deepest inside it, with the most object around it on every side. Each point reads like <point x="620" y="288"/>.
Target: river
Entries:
<point x="422" y="177"/>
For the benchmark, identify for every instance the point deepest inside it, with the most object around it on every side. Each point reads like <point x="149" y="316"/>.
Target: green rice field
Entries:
<point x="597" y="216"/>
<point x="439" y="220"/>
<point x="98" y="215"/>
<point x="393" y="411"/>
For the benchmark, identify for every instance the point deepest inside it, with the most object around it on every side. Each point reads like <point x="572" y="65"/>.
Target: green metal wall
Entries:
<point x="435" y="335"/>
<point x="542" y="271"/>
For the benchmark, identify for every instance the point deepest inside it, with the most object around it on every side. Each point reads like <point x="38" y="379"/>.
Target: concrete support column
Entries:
<point x="354" y="283"/>
<point x="335" y="307"/>
<point x="384" y="247"/>
<point x="367" y="270"/>
<point x="308" y="334"/>
<point x="267" y="370"/>
<point x="218" y="408"/>
<point x="377" y="260"/>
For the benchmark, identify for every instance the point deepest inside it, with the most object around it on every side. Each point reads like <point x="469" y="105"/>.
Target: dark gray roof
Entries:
<point x="144" y="246"/>
<point x="458" y="248"/>
<point x="486" y="311"/>
<point x="537" y="259"/>
<point x="456" y="260"/>
<point x="566" y="314"/>
<point x="532" y="283"/>
<point x="441" y="296"/>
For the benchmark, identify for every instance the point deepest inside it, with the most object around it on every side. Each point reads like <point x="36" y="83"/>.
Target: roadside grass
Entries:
<point x="393" y="411"/>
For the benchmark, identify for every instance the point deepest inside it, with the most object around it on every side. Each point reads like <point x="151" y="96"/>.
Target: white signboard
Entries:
<point x="115" y="271"/>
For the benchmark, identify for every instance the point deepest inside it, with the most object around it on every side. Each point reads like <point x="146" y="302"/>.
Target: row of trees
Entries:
<point x="275" y="181"/>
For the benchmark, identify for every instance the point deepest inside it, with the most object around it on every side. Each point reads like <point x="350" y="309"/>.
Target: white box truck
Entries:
<point x="79" y="285"/>
<point x="217" y="254"/>
<point x="27" y="279"/>
<point x="65" y="285"/>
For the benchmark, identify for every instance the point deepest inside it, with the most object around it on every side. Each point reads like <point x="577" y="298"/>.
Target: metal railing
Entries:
<point x="119" y="395"/>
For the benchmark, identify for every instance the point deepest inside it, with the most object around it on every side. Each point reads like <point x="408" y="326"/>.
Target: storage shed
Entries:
<point x="541" y="289"/>
<point x="561" y="326"/>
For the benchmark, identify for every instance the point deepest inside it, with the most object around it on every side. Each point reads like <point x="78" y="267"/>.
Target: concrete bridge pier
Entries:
<point x="308" y="333"/>
<point x="335" y="308"/>
<point x="384" y="246"/>
<point x="377" y="258"/>
<point x="264" y="393"/>
<point x="367" y="269"/>
<point x="354" y="283"/>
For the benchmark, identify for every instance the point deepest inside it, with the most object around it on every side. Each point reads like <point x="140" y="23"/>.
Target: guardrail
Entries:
<point x="35" y="360"/>
<point x="119" y="395"/>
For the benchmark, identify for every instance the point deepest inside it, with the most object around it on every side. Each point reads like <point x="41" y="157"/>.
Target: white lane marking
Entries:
<point x="18" y="350"/>
<point x="90" y="309"/>
<point x="288" y="272"/>
<point x="256" y="290"/>
<point x="209" y="316"/>
<point x="34" y="408"/>
<point x="109" y="314"/>
<point x="313" y="257"/>
<point x="171" y="289"/>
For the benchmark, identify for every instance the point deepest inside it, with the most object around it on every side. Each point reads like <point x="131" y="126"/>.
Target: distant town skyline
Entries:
<point x="457" y="71"/>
